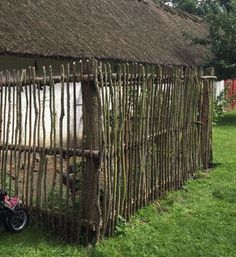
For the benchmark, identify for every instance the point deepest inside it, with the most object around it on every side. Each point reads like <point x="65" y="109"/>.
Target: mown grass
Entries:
<point x="199" y="220"/>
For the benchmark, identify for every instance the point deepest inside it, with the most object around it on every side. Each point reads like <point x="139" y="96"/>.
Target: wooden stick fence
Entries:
<point x="97" y="142"/>
<point x="156" y="134"/>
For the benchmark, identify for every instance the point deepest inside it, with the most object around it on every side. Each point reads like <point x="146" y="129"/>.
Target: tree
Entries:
<point x="199" y="7"/>
<point x="182" y="5"/>
<point x="220" y="15"/>
<point x="222" y="37"/>
<point x="189" y="6"/>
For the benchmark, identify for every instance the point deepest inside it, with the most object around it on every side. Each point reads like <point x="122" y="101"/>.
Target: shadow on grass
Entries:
<point x="36" y="242"/>
<point x="229" y="119"/>
<point x="216" y="165"/>
<point x="225" y="194"/>
<point x="31" y="236"/>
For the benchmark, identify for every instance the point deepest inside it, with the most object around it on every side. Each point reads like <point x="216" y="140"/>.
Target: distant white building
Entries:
<point x="218" y="87"/>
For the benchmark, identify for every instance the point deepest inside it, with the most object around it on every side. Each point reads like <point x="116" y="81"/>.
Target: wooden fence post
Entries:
<point x="90" y="207"/>
<point x="207" y="109"/>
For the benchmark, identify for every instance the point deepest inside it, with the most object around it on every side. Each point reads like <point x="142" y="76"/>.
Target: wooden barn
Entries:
<point x="104" y="107"/>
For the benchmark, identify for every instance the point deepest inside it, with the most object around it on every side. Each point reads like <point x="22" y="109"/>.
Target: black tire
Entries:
<point x="17" y="222"/>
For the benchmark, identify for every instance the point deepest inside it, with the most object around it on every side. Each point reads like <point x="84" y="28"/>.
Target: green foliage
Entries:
<point x="220" y="15"/>
<point x="219" y="105"/>
<point x="190" y="6"/>
<point x="54" y="200"/>
<point x="221" y="102"/>
<point x="121" y="226"/>
<point x="200" y="7"/>
<point x="222" y="39"/>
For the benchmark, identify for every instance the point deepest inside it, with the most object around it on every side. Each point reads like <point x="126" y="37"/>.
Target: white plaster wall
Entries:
<point x="10" y="129"/>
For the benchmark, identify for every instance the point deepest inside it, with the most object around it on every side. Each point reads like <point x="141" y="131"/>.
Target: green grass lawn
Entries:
<point x="199" y="220"/>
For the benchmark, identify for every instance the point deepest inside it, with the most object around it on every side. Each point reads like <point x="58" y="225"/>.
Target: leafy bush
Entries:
<point x="221" y="102"/>
<point x="219" y="105"/>
<point x="121" y="226"/>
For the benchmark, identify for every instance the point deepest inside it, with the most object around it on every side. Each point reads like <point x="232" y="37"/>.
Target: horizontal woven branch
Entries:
<point x="52" y="151"/>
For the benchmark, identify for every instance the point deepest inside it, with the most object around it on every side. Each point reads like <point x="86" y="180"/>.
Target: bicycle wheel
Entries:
<point x="18" y="221"/>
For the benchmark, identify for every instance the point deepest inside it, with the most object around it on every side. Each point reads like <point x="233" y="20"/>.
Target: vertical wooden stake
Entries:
<point x="90" y="182"/>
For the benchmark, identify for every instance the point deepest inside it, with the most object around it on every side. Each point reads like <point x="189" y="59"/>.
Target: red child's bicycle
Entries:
<point x="13" y="216"/>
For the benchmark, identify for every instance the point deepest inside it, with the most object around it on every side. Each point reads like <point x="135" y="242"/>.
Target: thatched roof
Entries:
<point x="136" y="30"/>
